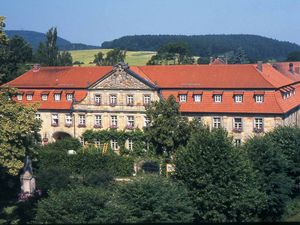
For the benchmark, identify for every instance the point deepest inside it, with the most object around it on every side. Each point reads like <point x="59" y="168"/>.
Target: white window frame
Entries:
<point x="147" y="99"/>
<point x="55" y="119"/>
<point x="114" y="145"/>
<point x="29" y="97"/>
<point x="82" y="119"/>
<point x="114" y="120"/>
<point x="130" y="121"/>
<point x="217" y="122"/>
<point x="259" y="123"/>
<point x="97" y="142"/>
<point x="237" y="142"/>
<point x="68" y="119"/>
<point x="197" y="98"/>
<point x="97" y="99"/>
<point x="259" y="98"/>
<point x="38" y="116"/>
<point x="69" y="97"/>
<point x="98" y="120"/>
<point x="239" y="124"/>
<point x="146" y="121"/>
<point x="130" y="144"/>
<point x="182" y="97"/>
<point x="19" y="97"/>
<point x="130" y="99"/>
<point x="238" y="98"/>
<point x="113" y="99"/>
<point x="217" y="98"/>
<point x="44" y="97"/>
<point x="57" y="97"/>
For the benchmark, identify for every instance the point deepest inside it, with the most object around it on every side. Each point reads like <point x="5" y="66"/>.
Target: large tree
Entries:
<point x="220" y="179"/>
<point x="167" y="129"/>
<point x="47" y="53"/>
<point x="112" y="57"/>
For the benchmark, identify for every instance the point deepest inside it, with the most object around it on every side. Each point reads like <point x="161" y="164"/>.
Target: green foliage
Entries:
<point x="167" y="129"/>
<point x="220" y="179"/>
<point x="153" y="199"/>
<point x="18" y="132"/>
<point x="47" y="53"/>
<point x="76" y="205"/>
<point x="271" y="166"/>
<point x="112" y="57"/>
<point x="100" y="178"/>
<point x="172" y="53"/>
<point x="237" y="56"/>
<point x="293" y="56"/>
<point x="256" y="47"/>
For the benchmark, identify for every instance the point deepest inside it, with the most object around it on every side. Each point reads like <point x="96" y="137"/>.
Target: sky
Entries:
<point x="95" y="21"/>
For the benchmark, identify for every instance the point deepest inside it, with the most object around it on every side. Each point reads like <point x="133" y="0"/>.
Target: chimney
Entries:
<point x="259" y="66"/>
<point x="291" y="67"/>
<point x="36" y="67"/>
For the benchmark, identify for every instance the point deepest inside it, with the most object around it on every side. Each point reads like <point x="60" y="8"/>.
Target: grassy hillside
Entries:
<point x="133" y="58"/>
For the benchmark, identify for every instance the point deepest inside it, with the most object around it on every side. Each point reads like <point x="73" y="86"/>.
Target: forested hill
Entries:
<point x="256" y="47"/>
<point x="34" y="38"/>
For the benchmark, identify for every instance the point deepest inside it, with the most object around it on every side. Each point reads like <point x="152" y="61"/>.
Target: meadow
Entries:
<point x="133" y="58"/>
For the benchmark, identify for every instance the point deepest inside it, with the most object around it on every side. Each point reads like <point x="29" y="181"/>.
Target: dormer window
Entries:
<point x="182" y="98"/>
<point x="57" y="97"/>
<point x="238" y="98"/>
<point x="69" y="97"/>
<point x="218" y="98"/>
<point x="259" y="98"/>
<point x="29" y="97"/>
<point x="19" y="97"/>
<point x="44" y="97"/>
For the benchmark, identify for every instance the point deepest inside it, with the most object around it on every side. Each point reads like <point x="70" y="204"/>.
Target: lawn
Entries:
<point x="133" y="58"/>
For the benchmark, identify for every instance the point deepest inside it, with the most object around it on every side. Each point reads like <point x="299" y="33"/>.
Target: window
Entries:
<point x="147" y="99"/>
<point x="57" y="97"/>
<point x="82" y="119"/>
<point x="130" y="144"/>
<point x="114" y="145"/>
<point x="146" y="121"/>
<point x="114" y="121"/>
<point x="97" y="98"/>
<point x="259" y="98"/>
<point x="29" y="97"/>
<point x="130" y="121"/>
<point x="197" y="98"/>
<point x="216" y="122"/>
<point x="217" y="98"/>
<point x="237" y="142"/>
<point x="68" y="119"/>
<point x="98" y="120"/>
<point x="19" y="97"/>
<point x="69" y="97"/>
<point x="198" y="118"/>
<point x="258" y="123"/>
<point x="182" y="98"/>
<point x="44" y="97"/>
<point x="81" y="140"/>
<point x="237" y="124"/>
<point x="238" y="98"/>
<point x="38" y="116"/>
<point x="97" y="142"/>
<point x="54" y="120"/>
<point x="113" y="100"/>
<point x="129" y="99"/>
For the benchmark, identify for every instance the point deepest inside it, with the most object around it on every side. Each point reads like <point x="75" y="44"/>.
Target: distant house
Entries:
<point x="245" y="99"/>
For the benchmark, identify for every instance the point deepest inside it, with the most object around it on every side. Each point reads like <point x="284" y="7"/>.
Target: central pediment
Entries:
<point x="121" y="78"/>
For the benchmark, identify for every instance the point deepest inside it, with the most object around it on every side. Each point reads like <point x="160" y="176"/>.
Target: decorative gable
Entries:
<point x="121" y="78"/>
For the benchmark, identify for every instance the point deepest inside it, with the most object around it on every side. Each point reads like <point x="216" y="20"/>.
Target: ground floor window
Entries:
<point x="237" y="142"/>
<point x="217" y="122"/>
<point x="130" y="144"/>
<point x="114" y="145"/>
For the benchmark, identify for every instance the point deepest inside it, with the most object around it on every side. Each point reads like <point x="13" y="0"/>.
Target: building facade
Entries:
<point x="244" y="99"/>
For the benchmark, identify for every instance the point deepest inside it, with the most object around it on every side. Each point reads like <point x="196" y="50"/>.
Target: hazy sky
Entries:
<point x="95" y="21"/>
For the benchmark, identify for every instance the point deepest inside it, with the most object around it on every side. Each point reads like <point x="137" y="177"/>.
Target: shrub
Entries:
<point x="99" y="178"/>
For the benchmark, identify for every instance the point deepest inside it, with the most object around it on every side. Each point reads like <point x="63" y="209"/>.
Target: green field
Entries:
<point x="133" y="58"/>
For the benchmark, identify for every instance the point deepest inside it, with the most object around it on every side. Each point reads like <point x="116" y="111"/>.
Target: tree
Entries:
<point x="77" y="205"/>
<point x="219" y="177"/>
<point x="177" y="52"/>
<point x="99" y="59"/>
<point x="293" y="56"/>
<point x="271" y="166"/>
<point x="47" y="53"/>
<point x="167" y="129"/>
<point x="113" y="57"/>
<point x="238" y="56"/>
<point x="153" y="199"/>
<point x="18" y="132"/>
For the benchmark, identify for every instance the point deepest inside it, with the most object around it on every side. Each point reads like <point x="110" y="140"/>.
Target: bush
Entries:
<point x="99" y="178"/>
<point x="153" y="199"/>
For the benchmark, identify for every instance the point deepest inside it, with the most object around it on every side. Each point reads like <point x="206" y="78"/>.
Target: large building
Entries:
<point x="244" y="99"/>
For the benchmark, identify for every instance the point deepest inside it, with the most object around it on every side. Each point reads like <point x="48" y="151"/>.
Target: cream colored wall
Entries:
<point x="292" y="118"/>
